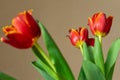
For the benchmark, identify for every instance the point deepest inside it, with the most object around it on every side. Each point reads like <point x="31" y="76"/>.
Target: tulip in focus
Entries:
<point x="77" y="37"/>
<point x="23" y="32"/>
<point x="100" y="24"/>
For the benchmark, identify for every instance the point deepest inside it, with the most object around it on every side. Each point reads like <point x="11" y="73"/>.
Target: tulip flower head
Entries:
<point x="23" y="32"/>
<point x="100" y="24"/>
<point x="77" y="37"/>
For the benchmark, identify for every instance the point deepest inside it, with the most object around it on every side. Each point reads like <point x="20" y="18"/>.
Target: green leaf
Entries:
<point x="45" y="71"/>
<point x="4" y="76"/>
<point x="82" y="75"/>
<point x="98" y="55"/>
<point x="42" y="56"/>
<point x="92" y="72"/>
<point x="91" y="53"/>
<point x="39" y="55"/>
<point x="112" y="57"/>
<point x="86" y="54"/>
<point x="109" y="77"/>
<point x="56" y="56"/>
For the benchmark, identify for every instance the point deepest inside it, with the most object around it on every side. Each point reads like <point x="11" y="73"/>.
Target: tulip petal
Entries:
<point x="18" y="40"/>
<point x="100" y="22"/>
<point x="74" y="36"/>
<point x="90" y="42"/>
<point x="9" y="30"/>
<point x="108" y="24"/>
<point x="95" y="16"/>
<point x="25" y="25"/>
<point x="83" y="33"/>
<point x="90" y="23"/>
<point x="33" y="25"/>
<point x="19" y="23"/>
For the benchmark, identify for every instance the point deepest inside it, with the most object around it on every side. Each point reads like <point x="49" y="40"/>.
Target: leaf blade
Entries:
<point x="98" y="55"/>
<point x="82" y="75"/>
<point x="112" y="57"/>
<point x="92" y="72"/>
<point x="56" y="56"/>
<point x="4" y="76"/>
<point x="45" y="71"/>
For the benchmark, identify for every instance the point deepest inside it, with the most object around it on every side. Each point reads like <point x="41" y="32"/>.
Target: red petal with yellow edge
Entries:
<point x="74" y="36"/>
<point x="21" y="26"/>
<point x="99" y="23"/>
<point x="91" y="25"/>
<point x="83" y="33"/>
<point x="9" y="30"/>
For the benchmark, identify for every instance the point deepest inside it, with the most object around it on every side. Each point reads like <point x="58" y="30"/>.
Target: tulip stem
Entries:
<point x="100" y="39"/>
<point x="81" y="49"/>
<point x="43" y="56"/>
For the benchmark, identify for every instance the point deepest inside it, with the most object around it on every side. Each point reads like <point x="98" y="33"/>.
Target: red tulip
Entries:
<point x="77" y="37"/>
<point x="23" y="32"/>
<point x="99" y="24"/>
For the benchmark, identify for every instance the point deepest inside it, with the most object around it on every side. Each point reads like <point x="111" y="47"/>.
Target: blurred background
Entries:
<point x="58" y="16"/>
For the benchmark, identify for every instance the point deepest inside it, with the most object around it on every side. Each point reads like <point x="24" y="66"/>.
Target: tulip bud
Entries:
<point x="99" y="24"/>
<point x="23" y="32"/>
<point x="77" y="37"/>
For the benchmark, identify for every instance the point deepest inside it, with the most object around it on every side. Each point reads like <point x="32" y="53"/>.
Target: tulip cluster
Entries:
<point x="99" y="26"/>
<point x="24" y="32"/>
<point x="94" y="67"/>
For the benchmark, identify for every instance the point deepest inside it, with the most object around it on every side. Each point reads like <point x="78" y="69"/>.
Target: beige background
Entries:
<point x="58" y="16"/>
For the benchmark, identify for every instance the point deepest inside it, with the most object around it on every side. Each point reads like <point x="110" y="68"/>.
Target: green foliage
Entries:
<point x="45" y="71"/>
<point x="52" y="66"/>
<point x="82" y="75"/>
<point x="98" y="55"/>
<point x="86" y="54"/>
<point x="111" y="58"/>
<point x="93" y="66"/>
<point x="92" y="72"/>
<point x="4" y="76"/>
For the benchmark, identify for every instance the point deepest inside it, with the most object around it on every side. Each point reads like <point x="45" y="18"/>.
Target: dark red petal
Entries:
<point x="90" y="42"/>
<point x="108" y="24"/>
<point x="18" y="40"/>
<point x="33" y="25"/>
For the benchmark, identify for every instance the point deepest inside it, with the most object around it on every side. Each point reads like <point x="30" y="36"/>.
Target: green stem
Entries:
<point x="81" y="49"/>
<point x="100" y="39"/>
<point x="84" y="51"/>
<point x="43" y="55"/>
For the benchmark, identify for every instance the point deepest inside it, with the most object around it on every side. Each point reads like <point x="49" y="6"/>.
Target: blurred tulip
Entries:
<point x="23" y="32"/>
<point x="77" y="37"/>
<point x="99" y="24"/>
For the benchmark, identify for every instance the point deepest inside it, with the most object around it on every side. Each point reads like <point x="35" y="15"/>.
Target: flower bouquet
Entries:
<point x="25" y="32"/>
